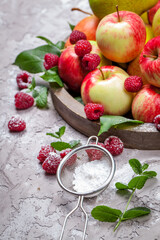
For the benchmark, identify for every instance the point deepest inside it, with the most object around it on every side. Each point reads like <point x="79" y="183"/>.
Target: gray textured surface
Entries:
<point x="32" y="204"/>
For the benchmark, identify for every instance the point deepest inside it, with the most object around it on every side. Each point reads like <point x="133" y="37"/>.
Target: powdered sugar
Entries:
<point x="90" y="176"/>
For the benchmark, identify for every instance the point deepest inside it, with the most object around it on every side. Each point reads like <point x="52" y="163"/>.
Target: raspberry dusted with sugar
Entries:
<point x="51" y="163"/>
<point x="82" y="47"/>
<point x="50" y="60"/>
<point x="16" y="124"/>
<point x="93" y="111"/>
<point x="156" y="121"/>
<point x="23" y="100"/>
<point x="133" y="84"/>
<point x="90" y="61"/>
<point x="23" y="80"/>
<point x="114" y="145"/>
<point x="95" y="154"/>
<point x="72" y="159"/>
<point x="76" y="36"/>
<point x="44" y="152"/>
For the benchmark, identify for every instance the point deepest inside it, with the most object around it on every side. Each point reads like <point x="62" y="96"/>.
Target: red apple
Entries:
<point x="107" y="88"/>
<point x="150" y="61"/>
<point x="88" y="25"/>
<point x="152" y="12"/>
<point x="146" y="104"/>
<point x="121" y="37"/>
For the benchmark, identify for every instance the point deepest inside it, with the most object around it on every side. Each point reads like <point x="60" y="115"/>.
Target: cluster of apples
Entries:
<point x="126" y="48"/>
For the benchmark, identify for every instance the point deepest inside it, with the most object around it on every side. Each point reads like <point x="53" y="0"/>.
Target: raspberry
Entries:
<point x="23" y="80"/>
<point x="82" y="47"/>
<point x="90" y="61"/>
<point x="23" y="100"/>
<point x="71" y="160"/>
<point x="76" y="36"/>
<point x="114" y="145"/>
<point x="51" y="163"/>
<point x="133" y="83"/>
<point x="50" y="60"/>
<point x="156" y="121"/>
<point x="94" y="154"/>
<point x="93" y="111"/>
<point x="44" y="152"/>
<point x="16" y="124"/>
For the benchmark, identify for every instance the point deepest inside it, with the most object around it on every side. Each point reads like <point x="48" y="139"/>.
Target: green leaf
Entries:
<point x="61" y="131"/>
<point x="60" y="145"/>
<point x="74" y="143"/>
<point x="60" y="44"/>
<point x="121" y="186"/>
<point x="150" y="174"/>
<point x="33" y="82"/>
<point x="136" y="165"/>
<point x="137" y="182"/>
<point x="52" y="76"/>
<point x="46" y="40"/>
<point x="108" y="121"/>
<point x="135" y="212"/>
<point x="52" y="135"/>
<point x="145" y="166"/>
<point x="106" y="214"/>
<point x="71" y="26"/>
<point x="35" y="93"/>
<point x="32" y="60"/>
<point x="41" y="100"/>
<point x="79" y="99"/>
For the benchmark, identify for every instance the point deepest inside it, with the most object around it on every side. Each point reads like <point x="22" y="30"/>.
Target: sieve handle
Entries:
<point x="80" y="205"/>
<point x="91" y="138"/>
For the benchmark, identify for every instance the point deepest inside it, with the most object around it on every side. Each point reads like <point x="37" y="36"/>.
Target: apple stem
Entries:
<point x="80" y="10"/>
<point x="150" y="56"/>
<point x="118" y="13"/>
<point x="101" y="73"/>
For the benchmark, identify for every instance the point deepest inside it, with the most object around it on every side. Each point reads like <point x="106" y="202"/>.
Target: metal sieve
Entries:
<point x="69" y="179"/>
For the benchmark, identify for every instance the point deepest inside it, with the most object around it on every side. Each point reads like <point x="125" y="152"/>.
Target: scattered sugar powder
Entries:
<point x="90" y="176"/>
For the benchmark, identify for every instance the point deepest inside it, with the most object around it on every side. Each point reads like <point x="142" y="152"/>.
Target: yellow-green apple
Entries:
<point x="70" y="68"/>
<point x="150" y="61"/>
<point x="152" y="12"/>
<point x="121" y="36"/>
<point x="106" y="86"/>
<point x="146" y="104"/>
<point x="144" y="17"/>
<point x="156" y="23"/>
<point x="88" y="25"/>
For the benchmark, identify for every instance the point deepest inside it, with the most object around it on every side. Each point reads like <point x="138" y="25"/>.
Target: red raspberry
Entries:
<point x="44" y="152"/>
<point x="94" y="154"/>
<point x="71" y="160"/>
<point x="114" y="145"/>
<point x="90" y="61"/>
<point x="50" y="60"/>
<point x="76" y="36"/>
<point x="23" y="100"/>
<point x="156" y="121"/>
<point x="93" y="111"/>
<point x="16" y="124"/>
<point x="51" y="163"/>
<point x="133" y="84"/>
<point x="23" y="80"/>
<point x="82" y="47"/>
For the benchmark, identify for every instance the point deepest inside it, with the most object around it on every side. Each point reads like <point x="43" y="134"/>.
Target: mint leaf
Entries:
<point x="106" y="214"/>
<point x="60" y="44"/>
<point x="71" y="26"/>
<point x="108" y="121"/>
<point x="137" y="182"/>
<point x="136" y="166"/>
<point x="150" y="174"/>
<point x="46" y="40"/>
<point x="35" y="93"/>
<point x="145" y="166"/>
<point x="135" y="212"/>
<point x="61" y="131"/>
<point x="74" y="143"/>
<point x="52" y="135"/>
<point x="52" y="76"/>
<point x="41" y="100"/>
<point x="32" y="60"/>
<point x="121" y="186"/>
<point x="60" y="145"/>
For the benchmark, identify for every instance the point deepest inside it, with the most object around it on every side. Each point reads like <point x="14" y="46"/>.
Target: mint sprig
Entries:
<point x="59" y="44"/>
<point x="107" y="214"/>
<point x="52" y="76"/>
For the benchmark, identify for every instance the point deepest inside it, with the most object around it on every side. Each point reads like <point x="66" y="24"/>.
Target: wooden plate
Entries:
<point x="143" y="136"/>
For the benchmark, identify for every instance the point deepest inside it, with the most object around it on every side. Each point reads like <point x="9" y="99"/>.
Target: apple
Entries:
<point x="106" y="87"/>
<point x="150" y="61"/>
<point x="88" y="25"/>
<point x="121" y="36"/>
<point x="156" y="24"/>
<point x="70" y="68"/>
<point x="152" y="12"/>
<point x="146" y="104"/>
